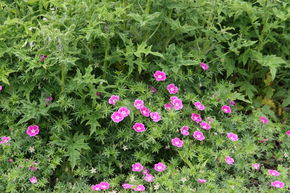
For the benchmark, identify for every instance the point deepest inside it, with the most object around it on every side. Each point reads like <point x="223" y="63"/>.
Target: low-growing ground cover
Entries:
<point x="152" y="96"/>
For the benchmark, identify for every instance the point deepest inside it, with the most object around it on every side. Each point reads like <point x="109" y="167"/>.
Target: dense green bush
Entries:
<point x="61" y="61"/>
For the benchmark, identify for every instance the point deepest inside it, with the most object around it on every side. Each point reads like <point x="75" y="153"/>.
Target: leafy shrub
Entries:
<point x="62" y="61"/>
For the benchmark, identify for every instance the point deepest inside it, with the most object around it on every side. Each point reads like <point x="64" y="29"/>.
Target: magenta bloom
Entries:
<point x="204" y="66"/>
<point x="274" y="173"/>
<point x="104" y="185"/>
<point x="168" y="106"/>
<point x="145" y="171"/>
<point x="117" y="117"/>
<point x="138" y="104"/>
<point x="184" y="130"/>
<point x="232" y="136"/>
<point x="153" y="89"/>
<point x="178" y="104"/>
<point x="155" y="116"/>
<point x="33" y="180"/>
<point x="177" y="142"/>
<point x="139" y="188"/>
<point x="264" y="120"/>
<point x="149" y="178"/>
<point x="160" y="76"/>
<point x="5" y="139"/>
<point x="288" y="133"/>
<point x="226" y="109"/>
<point x="1" y="87"/>
<point x="159" y="167"/>
<point x="113" y="99"/>
<point x="198" y="135"/>
<point x="32" y="130"/>
<point x="256" y="166"/>
<point x="127" y="186"/>
<point x="199" y="106"/>
<point x="124" y="111"/>
<point x="229" y="160"/>
<point x="49" y="99"/>
<point x="277" y="184"/>
<point x="42" y="58"/>
<point x="172" y="89"/>
<point x="205" y="125"/>
<point x="145" y="111"/>
<point x="201" y="181"/>
<point x="196" y="117"/>
<point x="96" y="187"/>
<point x="137" y="167"/>
<point x="173" y="98"/>
<point x="232" y="103"/>
<point x="139" y="127"/>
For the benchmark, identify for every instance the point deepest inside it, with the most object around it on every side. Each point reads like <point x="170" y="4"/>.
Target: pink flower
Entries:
<point x="198" y="135"/>
<point x="124" y="111"/>
<point x="49" y="99"/>
<point x="184" y="130"/>
<point x="5" y="139"/>
<point x="264" y="120"/>
<point x="178" y="104"/>
<point x="232" y="136"/>
<point x="226" y="109"/>
<point x="149" y="178"/>
<point x="117" y="117"/>
<point x="155" y="116"/>
<point x="159" y="167"/>
<point x="139" y="188"/>
<point x="98" y="93"/>
<point x="113" y="99"/>
<point x="229" y="160"/>
<point x="277" y="184"/>
<point x="232" y="103"/>
<point x="196" y="117"/>
<point x="139" y="127"/>
<point x="33" y="180"/>
<point x="104" y="185"/>
<point x="32" y="168"/>
<point x="96" y="187"/>
<point x="145" y="171"/>
<point x="137" y="167"/>
<point x="1" y="87"/>
<point x="145" y="111"/>
<point x="204" y="66"/>
<point x="160" y="76"/>
<point x="138" y="104"/>
<point x="153" y="89"/>
<point x="168" y="106"/>
<point x="205" y="125"/>
<point x="42" y="58"/>
<point x="199" y="106"/>
<point x="256" y="166"/>
<point x="288" y="133"/>
<point x="32" y="130"/>
<point x="127" y="186"/>
<point x="172" y="89"/>
<point x="201" y="181"/>
<point x="177" y="142"/>
<point x="274" y="173"/>
<point x="173" y="98"/>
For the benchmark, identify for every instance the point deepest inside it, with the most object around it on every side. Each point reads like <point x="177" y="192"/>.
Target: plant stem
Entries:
<point x="147" y="10"/>
<point x="63" y="74"/>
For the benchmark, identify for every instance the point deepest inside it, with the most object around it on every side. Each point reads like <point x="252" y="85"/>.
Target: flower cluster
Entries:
<point x="100" y="186"/>
<point x="120" y="115"/>
<point x="5" y="140"/>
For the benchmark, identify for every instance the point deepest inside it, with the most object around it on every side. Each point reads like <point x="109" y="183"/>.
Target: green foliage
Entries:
<point x="96" y="49"/>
